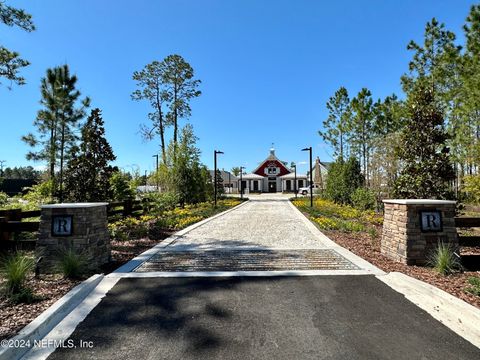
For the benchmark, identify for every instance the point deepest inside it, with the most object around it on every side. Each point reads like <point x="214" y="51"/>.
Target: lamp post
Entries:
<point x="215" y="152"/>
<point x="311" y="182"/>
<point x="295" y="181"/>
<point x="156" y="170"/>
<point x="241" y="182"/>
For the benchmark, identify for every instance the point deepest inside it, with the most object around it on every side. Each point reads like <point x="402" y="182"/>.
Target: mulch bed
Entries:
<point x="50" y="288"/>
<point x="362" y="245"/>
<point x="15" y="316"/>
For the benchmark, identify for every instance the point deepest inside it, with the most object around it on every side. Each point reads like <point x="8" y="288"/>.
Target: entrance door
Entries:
<point x="272" y="186"/>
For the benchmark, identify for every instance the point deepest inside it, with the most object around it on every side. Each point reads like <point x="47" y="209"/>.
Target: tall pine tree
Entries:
<point x="57" y="123"/>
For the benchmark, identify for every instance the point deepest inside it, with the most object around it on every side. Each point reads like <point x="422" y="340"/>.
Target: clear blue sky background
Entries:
<point x="267" y="67"/>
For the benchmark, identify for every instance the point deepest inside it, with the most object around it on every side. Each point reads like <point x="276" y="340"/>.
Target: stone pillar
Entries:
<point x="81" y="227"/>
<point x="413" y="228"/>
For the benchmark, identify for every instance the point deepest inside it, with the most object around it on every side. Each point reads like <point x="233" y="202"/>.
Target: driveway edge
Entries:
<point x="140" y="259"/>
<point x="48" y="319"/>
<point x="459" y="316"/>
<point x="62" y="331"/>
<point x="355" y="259"/>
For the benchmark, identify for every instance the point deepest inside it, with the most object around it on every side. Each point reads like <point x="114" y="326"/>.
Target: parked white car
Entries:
<point x="306" y="190"/>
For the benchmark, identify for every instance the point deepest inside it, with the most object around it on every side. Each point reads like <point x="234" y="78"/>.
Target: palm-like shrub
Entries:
<point x="15" y="269"/>
<point x="72" y="264"/>
<point x="444" y="260"/>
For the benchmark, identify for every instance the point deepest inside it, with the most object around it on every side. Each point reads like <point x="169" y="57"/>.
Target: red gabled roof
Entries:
<point x="271" y="160"/>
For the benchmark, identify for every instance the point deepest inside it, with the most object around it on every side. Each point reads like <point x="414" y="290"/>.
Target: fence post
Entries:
<point x="4" y="236"/>
<point x="127" y="207"/>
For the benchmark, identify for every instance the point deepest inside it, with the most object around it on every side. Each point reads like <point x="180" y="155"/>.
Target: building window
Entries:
<point x="300" y="183"/>
<point x="288" y="185"/>
<point x="272" y="171"/>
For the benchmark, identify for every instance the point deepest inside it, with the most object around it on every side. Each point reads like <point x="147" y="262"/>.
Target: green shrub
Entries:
<point x="160" y="202"/>
<point x="475" y="285"/>
<point x="120" y="187"/>
<point x="15" y="269"/>
<point x="3" y="199"/>
<point x="444" y="260"/>
<point x="472" y="188"/>
<point x="363" y="199"/>
<point x="39" y="194"/>
<point x="72" y="264"/>
<point x="342" y="180"/>
<point x="25" y="296"/>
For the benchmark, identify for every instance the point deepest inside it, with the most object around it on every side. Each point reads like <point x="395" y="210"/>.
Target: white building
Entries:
<point x="273" y="175"/>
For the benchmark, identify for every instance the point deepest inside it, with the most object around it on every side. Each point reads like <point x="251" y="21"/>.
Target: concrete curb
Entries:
<point x="47" y="320"/>
<point x="248" y="273"/>
<point x="140" y="259"/>
<point x="459" y="316"/>
<point x="61" y="332"/>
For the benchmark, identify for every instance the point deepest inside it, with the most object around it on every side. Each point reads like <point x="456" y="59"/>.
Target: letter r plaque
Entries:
<point x="431" y="221"/>
<point x="62" y="225"/>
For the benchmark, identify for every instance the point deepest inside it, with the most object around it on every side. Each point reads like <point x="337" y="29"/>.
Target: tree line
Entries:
<point x="77" y="152"/>
<point x="426" y="144"/>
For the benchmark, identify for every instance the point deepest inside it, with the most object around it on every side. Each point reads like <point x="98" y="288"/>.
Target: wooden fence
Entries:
<point x="468" y="222"/>
<point x="11" y="221"/>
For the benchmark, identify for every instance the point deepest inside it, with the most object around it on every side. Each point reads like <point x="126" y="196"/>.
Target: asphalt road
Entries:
<point x="316" y="317"/>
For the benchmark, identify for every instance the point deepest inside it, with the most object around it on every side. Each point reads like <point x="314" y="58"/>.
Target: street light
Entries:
<point x="156" y="171"/>
<point x="241" y="182"/>
<point x="295" y="181"/>
<point x="311" y="182"/>
<point x="215" y="152"/>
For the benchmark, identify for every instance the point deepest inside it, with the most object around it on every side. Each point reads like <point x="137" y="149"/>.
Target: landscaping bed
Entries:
<point x="48" y="289"/>
<point x="129" y="237"/>
<point x="361" y="232"/>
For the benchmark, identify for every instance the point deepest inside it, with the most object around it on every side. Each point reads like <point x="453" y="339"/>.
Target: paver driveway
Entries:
<point x="268" y="221"/>
<point x="266" y="233"/>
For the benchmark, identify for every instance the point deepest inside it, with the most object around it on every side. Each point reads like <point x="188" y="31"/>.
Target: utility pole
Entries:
<point x="311" y="181"/>
<point x="241" y="182"/>
<point x="295" y="181"/>
<point x="215" y="152"/>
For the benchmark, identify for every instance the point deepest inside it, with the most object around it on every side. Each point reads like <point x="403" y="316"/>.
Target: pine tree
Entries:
<point x="427" y="170"/>
<point x="57" y="122"/>
<point x="362" y="127"/>
<point x="88" y="173"/>
<point x="337" y="124"/>
<point x="10" y="61"/>
<point x="178" y="76"/>
<point x="152" y="88"/>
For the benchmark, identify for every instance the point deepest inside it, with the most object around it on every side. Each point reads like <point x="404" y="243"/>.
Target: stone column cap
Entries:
<point x="419" y="202"/>
<point x="73" y="205"/>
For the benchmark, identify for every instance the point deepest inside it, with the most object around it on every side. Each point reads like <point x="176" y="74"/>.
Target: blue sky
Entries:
<point x="267" y="67"/>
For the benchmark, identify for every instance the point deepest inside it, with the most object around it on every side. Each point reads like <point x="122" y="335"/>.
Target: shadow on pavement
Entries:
<point x="328" y="317"/>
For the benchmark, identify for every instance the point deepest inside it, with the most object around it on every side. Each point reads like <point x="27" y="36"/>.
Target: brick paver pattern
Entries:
<point x="247" y="260"/>
<point x="265" y="234"/>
